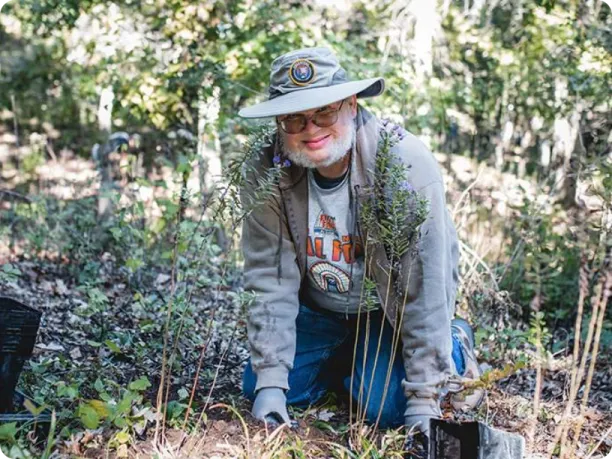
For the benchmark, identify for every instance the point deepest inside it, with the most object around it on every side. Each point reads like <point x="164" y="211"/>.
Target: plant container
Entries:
<point x="18" y="328"/>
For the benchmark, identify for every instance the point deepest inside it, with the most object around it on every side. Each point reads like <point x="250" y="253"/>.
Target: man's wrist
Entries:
<point x="417" y="406"/>
<point x="261" y="389"/>
<point x="273" y="377"/>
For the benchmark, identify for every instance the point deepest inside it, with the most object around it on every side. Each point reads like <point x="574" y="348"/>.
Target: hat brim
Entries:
<point x="307" y="99"/>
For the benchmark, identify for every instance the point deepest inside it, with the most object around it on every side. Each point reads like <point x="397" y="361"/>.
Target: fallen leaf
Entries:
<point x="60" y="287"/>
<point x="47" y="286"/>
<point x="122" y="451"/>
<point x="32" y="275"/>
<point x="325" y="415"/>
<point x="101" y="408"/>
<point x="76" y="353"/>
<point x="162" y="278"/>
<point x="122" y="437"/>
<point x="50" y="347"/>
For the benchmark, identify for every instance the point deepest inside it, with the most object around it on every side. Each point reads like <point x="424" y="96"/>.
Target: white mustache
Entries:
<point x="336" y="149"/>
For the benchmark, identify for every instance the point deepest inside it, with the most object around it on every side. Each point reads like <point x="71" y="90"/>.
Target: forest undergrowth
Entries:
<point x="142" y="341"/>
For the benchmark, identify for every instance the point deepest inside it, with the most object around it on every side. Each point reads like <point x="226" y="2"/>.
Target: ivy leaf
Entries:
<point x="120" y="422"/>
<point x="89" y="417"/>
<point x="8" y="431"/>
<point x="35" y="410"/>
<point x="11" y="272"/>
<point x="99" y="385"/>
<point x="122" y="437"/>
<point x="123" y="407"/>
<point x="140" y="384"/>
<point x="112" y="346"/>
<point x="100" y="407"/>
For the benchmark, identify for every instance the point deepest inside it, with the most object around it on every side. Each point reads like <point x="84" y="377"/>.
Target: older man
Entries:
<point x="305" y="260"/>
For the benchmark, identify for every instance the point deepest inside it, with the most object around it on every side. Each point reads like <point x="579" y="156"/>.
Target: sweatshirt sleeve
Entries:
<point x="426" y="321"/>
<point x="271" y="317"/>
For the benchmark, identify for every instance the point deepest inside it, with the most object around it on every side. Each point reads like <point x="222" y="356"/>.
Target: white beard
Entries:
<point x="337" y="149"/>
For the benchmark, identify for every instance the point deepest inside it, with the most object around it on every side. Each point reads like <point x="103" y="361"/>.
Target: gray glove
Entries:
<point x="418" y="423"/>
<point x="271" y="406"/>
<point x="417" y="444"/>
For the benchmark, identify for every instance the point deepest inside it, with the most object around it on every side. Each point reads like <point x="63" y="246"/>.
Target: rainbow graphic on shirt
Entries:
<point x="331" y="250"/>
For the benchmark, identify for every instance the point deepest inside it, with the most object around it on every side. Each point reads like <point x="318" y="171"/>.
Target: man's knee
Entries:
<point x="388" y="415"/>
<point x="386" y="407"/>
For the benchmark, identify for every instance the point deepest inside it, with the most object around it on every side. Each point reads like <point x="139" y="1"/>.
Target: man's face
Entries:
<point x="321" y="146"/>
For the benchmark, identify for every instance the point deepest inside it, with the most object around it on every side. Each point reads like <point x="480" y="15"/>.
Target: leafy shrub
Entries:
<point x="544" y="261"/>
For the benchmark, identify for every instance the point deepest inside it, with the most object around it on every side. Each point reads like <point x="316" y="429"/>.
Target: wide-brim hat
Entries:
<point x="309" y="78"/>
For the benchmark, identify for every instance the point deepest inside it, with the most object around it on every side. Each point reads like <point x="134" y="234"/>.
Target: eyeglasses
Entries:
<point x="294" y="124"/>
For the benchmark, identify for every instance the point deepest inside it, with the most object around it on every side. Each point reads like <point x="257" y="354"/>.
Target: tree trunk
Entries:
<point x="570" y="184"/>
<point x="521" y="151"/>
<point x="567" y="147"/>
<point x="426" y="27"/>
<point x="209" y="160"/>
<point x="105" y="121"/>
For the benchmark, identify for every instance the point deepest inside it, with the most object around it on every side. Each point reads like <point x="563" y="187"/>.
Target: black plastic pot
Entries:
<point x="472" y="440"/>
<point x="454" y="441"/>
<point x="18" y="328"/>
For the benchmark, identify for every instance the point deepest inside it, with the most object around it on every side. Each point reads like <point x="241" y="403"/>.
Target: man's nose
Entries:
<point x="310" y="126"/>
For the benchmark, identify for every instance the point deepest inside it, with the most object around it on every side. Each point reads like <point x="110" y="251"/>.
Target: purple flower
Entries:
<point x="405" y="186"/>
<point x="287" y="163"/>
<point x="276" y="160"/>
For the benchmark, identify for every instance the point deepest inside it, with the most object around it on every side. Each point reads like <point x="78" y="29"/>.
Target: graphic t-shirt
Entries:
<point x="331" y="266"/>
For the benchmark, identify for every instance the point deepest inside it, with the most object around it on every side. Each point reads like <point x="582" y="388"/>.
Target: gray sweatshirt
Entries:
<point x="275" y="240"/>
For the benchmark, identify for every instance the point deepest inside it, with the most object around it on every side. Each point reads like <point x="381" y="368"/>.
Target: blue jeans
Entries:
<point x="323" y="359"/>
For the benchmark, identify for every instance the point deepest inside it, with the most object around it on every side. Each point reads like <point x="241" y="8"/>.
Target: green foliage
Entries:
<point x="514" y="346"/>
<point x="393" y="211"/>
<point x="243" y="169"/>
<point x="505" y="345"/>
<point x="67" y="228"/>
<point x="9" y="273"/>
<point x="97" y="393"/>
<point x="539" y="334"/>
<point x="115" y="406"/>
<point x="369" y="296"/>
<point x="8" y="431"/>
<point x="544" y="260"/>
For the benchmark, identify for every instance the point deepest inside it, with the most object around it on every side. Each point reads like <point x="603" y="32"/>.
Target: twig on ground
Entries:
<point x="49" y="148"/>
<point x="14" y="194"/>
<point x="601" y="440"/>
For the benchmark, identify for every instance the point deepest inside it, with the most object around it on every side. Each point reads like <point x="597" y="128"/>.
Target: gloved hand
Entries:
<point x="418" y="422"/>
<point x="271" y="406"/>
<point x="417" y="443"/>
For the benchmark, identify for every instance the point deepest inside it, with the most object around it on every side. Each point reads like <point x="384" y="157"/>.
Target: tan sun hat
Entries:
<point x="309" y="78"/>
